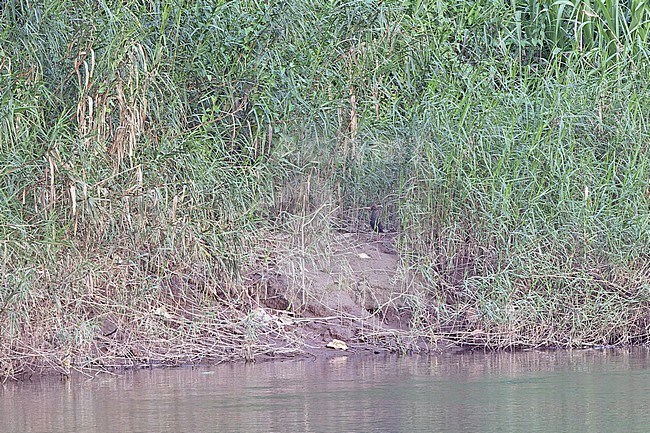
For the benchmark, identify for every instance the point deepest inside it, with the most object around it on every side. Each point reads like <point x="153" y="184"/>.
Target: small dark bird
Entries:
<point x="375" y="223"/>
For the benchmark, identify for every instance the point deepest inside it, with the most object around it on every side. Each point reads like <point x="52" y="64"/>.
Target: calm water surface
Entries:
<point x="595" y="391"/>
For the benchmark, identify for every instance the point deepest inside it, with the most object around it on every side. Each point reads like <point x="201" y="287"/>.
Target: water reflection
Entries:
<point x="470" y="392"/>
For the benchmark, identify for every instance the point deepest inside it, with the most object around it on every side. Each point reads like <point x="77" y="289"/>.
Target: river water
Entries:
<point x="558" y="391"/>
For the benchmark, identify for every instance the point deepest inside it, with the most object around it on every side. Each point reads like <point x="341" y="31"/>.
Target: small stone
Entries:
<point x="337" y="344"/>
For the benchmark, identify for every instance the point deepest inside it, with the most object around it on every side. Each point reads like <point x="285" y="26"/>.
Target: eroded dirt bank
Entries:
<point x="358" y="300"/>
<point x="346" y="296"/>
<point x="350" y="297"/>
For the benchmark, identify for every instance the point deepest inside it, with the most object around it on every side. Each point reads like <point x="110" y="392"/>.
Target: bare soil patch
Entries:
<point x="357" y="295"/>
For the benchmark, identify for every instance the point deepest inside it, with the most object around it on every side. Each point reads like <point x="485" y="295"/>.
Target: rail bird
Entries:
<point x="375" y="221"/>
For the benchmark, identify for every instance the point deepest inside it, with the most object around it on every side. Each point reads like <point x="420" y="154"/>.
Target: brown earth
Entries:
<point x="338" y="294"/>
<point x="357" y="295"/>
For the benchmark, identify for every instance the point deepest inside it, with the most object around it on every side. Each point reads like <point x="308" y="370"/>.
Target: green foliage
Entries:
<point x="603" y="32"/>
<point x="509" y="138"/>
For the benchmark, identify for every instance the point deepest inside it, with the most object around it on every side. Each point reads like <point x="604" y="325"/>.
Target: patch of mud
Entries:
<point x="356" y="294"/>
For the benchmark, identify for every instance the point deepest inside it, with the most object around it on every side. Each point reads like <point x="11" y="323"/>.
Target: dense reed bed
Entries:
<point x="157" y="155"/>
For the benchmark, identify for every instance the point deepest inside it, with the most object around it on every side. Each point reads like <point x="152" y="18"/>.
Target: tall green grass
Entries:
<point x="536" y="195"/>
<point x="604" y="32"/>
<point x="150" y="148"/>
